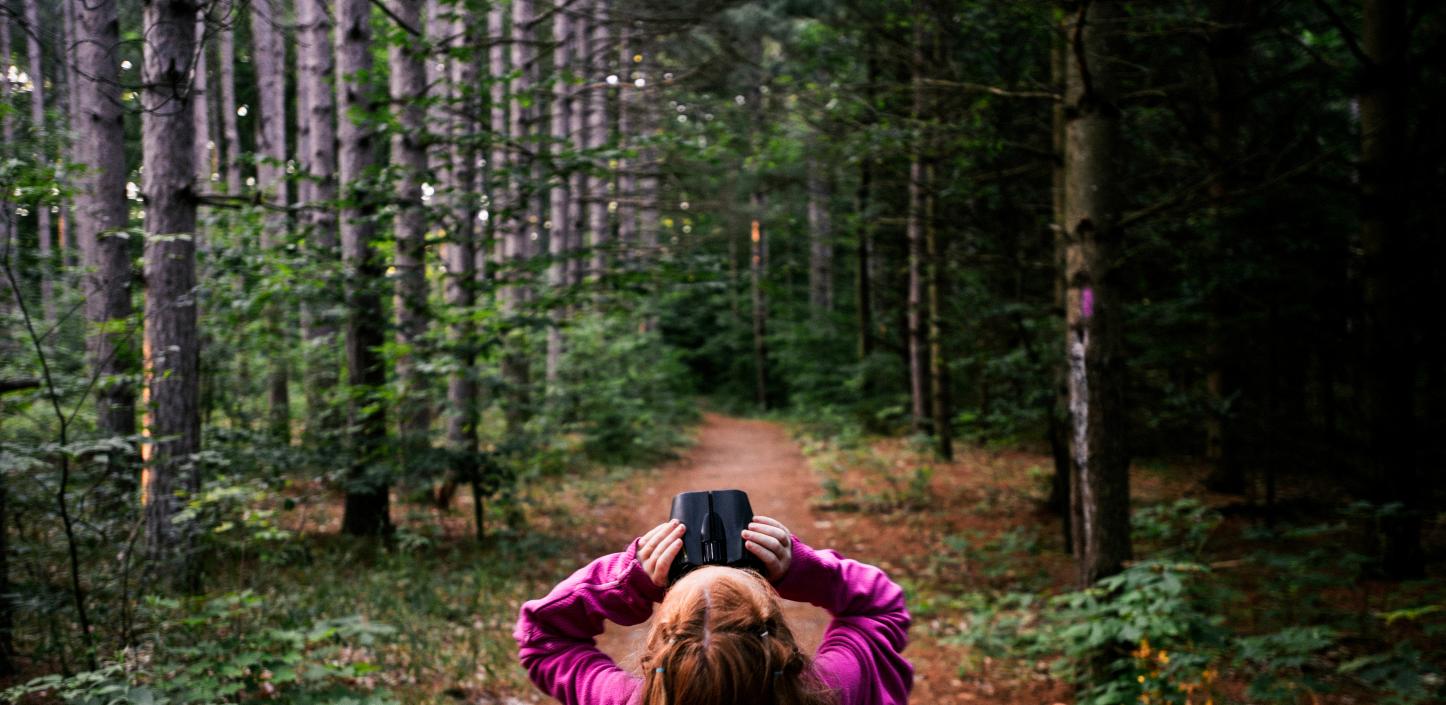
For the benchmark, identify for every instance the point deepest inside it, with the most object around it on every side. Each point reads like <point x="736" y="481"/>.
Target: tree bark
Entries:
<point x="760" y="302"/>
<point x="200" y="107"/>
<point x="1100" y="490"/>
<point x="408" y="84"/>
<point x="100" y="214"/>
<point x="171" y="343"/>
<point x="559" y="195"/>
<point x="367" y="491"/>
<point x="226" y="50"/>
<point x="7" y="609"/>
<point x="820" y="240"/>
<point x="1058" y="500"/>
<point x="577" y="130"/>
<point x="599" y="54"/>
<point x="914" y="233"/>
<point x="938" y="379"/>
<point x="269" y="58"/>
<point x="9" y="239"/>
<point x="627" y="213"/>
<point x="514" y="364"/>
<point x="44" y="230"/>
<point x="459" y="255"/>
<point x="316" y="141"/>
<point x="7" y="246"/>
<point x="1394" y="469"/>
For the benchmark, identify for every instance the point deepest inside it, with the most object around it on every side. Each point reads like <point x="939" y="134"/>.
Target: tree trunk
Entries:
<point x="367" y="493"/>
<point x="1387" y="400"/>
<point x="514" y="367"/>
<point x="1058" y="501"/>
<point x="760" y="304"/>
<point x="460" y="258"/>
<point x="559" y="195"/>
<point x="408" y="83"/>
<point x="9" y="239"/>
<point x="200" y="107"/>
<point x="820" y="239"/>
<point x="599" y="54"/>
<point x="1100" y="490"/>
<point x="269" y="58"/>
<point x="7" y="259"/>
<point x="39" y="130"/>
<point x="938" y="379"/>
<point x="627" y="213"/>
<point x="316" y="141"/>
<point x="577" y="129"/>
<point x="914" y="311"/>
<point x="863" y="283"/>
<point x="100" y="212"/>
<point x="226" y="49"/>
<point x="863" y="249"/>
<point x="171" y="344"/>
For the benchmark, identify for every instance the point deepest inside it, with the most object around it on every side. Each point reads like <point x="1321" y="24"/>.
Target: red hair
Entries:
<point x="720" y="639"/>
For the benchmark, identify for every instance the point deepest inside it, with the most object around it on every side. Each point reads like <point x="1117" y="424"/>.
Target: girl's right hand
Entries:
<point x="658" y="549"/>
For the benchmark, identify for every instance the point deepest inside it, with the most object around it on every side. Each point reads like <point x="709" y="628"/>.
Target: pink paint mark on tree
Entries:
<point x="1087" y="303"/>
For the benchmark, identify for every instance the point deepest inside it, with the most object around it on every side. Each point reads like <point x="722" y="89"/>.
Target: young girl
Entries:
<point x="720" y="637"/>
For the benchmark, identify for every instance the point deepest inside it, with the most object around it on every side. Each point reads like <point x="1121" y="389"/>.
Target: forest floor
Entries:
<point x="957" y="535"/>
<point x="834" y="502"/>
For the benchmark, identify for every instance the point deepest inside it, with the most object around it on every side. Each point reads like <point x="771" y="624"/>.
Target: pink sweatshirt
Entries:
<point x="859" y="658"/>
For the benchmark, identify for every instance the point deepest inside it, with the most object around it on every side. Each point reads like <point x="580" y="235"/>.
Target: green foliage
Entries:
<point x="621" y="389"/>
<point x="219" y="650"/>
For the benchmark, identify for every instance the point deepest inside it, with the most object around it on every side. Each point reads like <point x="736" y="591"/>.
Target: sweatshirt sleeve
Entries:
<point x="861" y="653"/>
<point x="556" y="634"/>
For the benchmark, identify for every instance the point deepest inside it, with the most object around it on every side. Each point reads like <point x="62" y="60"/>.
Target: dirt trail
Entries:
<point x="758" y="458"/>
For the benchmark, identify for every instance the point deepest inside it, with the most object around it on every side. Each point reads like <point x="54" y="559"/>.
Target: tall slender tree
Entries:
<point x="914" y="232"/>
<point x="201" y="107"/>
<point x="229" y="18"/>
<point x="820" y="237"/>
<point x="521" y="211"/>
<point x="368" y="490"/>
<point x="627" y="111"/>
<point x="559" y="235"/>
<point x="460" y="287"/>
<point x="101" y="215"/>
<point x="599" y="59"/>
<point x="10" y="242"/>
<point x="408" y="83"/>
<point x="44" y="226"/>
<point x="939" y="410"/>
<point x="757" y="272"/>
<point x="268" y="56"/>
<point x="171" y="341"/>
<point x="7" y="608"/>
<point x="316" y="141"/>
<point x="1100" y="491"/>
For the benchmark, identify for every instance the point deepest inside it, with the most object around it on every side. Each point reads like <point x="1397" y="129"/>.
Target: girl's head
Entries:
<point x="720" y="639"/>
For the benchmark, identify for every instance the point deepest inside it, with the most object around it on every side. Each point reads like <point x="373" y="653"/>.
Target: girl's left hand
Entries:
<point x="658" y="549"/>
<point x="770" y="540"/>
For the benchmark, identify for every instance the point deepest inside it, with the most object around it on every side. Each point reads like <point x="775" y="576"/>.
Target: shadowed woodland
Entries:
<point x="333" y="330"/>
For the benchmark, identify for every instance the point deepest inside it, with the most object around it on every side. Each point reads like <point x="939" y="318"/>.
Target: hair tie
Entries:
<point x="777" y="674"/>
<point x="659" y="669"/>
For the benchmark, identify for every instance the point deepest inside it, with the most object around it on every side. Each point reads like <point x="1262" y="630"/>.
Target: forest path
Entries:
<point x="759" y="458"/>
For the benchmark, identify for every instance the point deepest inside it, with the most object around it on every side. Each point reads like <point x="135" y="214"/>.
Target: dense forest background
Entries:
<point x="330" y="326"/>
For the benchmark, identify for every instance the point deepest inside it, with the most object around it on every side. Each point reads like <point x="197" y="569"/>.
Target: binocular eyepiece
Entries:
<point x="714" y="522"/>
